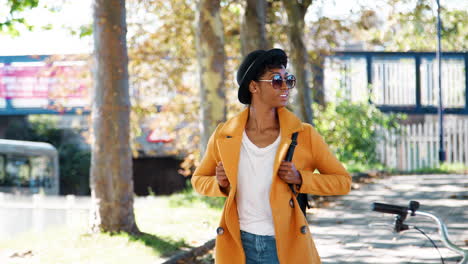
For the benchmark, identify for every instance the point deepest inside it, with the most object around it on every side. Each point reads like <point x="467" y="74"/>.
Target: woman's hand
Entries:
<point x="221" y="177"/>
<point x="289" y="174"/>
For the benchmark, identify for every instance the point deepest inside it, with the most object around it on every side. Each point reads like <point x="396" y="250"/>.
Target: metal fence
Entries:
<point x="398" y="81"/>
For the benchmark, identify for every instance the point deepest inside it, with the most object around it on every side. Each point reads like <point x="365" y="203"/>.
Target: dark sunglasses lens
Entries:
<point x="277" y="82"/>
<point x="290" y="81"/>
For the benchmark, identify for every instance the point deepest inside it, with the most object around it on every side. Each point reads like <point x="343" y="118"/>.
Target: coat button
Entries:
<point x="220" y="230"/>
<point x="304" y="230"/>
<point x="291" y="203"/>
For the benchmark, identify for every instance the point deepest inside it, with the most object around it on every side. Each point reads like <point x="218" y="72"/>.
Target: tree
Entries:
<point x="323" y="35"/>
<point x="111" y="162"/>
<point x="163" y="71"/>
<point x="211" y="60"/>
<point x="162" y="54"/>
<point x="253" y="32"/>
<point x="14" y="18"/>
<point x="296" y="11"/>
<point x="414" y="28"/>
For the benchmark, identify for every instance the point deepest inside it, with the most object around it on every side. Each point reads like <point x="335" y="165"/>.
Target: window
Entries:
<point x="19" y="171"/>
<point x="41" y="171"/>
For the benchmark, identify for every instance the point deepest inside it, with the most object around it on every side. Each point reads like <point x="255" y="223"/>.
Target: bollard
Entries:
<point x="38" y="212"/>
<point x="70" y="204"/>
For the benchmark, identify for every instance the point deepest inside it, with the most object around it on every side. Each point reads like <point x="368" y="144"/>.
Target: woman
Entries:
<point x="244" y="160"/>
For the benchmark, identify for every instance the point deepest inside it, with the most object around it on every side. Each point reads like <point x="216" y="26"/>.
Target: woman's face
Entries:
<point x="267" y="92"/>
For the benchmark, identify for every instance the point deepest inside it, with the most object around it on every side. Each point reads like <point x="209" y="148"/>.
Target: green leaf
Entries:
<point x="86" y="30"/>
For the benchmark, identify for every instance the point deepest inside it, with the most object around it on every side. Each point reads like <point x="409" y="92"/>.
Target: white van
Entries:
<point x="28" y="167"/>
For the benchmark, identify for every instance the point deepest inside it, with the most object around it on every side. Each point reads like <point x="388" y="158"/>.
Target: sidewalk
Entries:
<point x="349" y="232"/>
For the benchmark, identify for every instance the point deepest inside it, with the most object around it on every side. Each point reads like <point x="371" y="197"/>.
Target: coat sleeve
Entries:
<point x="204" y="177"/>
<point x="333" y="178"/>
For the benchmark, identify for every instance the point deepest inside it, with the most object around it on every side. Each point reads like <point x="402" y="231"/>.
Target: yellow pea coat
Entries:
<point x="293" y="239"/>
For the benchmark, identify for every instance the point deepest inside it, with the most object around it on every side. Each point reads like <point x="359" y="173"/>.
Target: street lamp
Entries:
<point x="440" y="110"/>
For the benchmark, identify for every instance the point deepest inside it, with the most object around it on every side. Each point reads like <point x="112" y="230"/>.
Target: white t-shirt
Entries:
<point x="254" y="178"/>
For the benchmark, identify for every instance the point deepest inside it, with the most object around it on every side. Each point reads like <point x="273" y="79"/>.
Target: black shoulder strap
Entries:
<point x="290" y="153"/>
<point x="294" y="138"/>
<point x="301" y="198"/>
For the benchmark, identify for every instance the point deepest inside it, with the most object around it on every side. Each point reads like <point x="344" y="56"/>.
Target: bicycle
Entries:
<point x="402" y="212"/>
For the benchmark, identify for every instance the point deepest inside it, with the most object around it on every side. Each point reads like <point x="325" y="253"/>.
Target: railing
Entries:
<point x="399" y="81"/>
<point x="418" y="146"/>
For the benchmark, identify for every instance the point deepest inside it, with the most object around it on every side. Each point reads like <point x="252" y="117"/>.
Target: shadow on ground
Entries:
<point x="162" y="246"/>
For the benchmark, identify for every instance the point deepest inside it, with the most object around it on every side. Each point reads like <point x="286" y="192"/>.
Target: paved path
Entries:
<point x="349" y="232"/>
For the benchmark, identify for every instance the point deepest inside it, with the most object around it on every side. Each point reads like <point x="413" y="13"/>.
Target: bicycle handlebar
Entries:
<point x="389" y="208"/>
<point x="402" y="212"/>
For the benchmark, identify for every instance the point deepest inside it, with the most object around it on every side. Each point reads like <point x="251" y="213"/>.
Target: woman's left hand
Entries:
<point x="288" y="173"/>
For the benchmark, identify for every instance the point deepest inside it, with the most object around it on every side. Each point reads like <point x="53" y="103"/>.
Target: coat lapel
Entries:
<point x="229" y="150"/>
<point x="230" y="143"/>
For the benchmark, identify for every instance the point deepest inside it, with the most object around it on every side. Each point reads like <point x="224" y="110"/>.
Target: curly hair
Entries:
<point x="274" y="62"/>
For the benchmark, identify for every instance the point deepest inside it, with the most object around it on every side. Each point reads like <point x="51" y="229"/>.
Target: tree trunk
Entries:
<point x="299" y="57"/>
<point x="211" y="57"/>
<point x="111" y="161"/>
<point x="253" y="32"/>
<point x="317" y="69"/>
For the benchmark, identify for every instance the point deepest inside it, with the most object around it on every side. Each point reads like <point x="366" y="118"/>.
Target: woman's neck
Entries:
<point x="262" y="119"/>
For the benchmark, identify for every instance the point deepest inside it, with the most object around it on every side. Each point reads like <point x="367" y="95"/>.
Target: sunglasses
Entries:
<point x="277" y="81"/>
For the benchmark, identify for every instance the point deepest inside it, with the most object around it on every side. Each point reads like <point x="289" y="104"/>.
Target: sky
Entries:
<point x="75" y="13"/>
<point x="59" y="39"/>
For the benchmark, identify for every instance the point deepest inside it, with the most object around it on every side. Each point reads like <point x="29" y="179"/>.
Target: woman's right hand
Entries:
<point x="221" y="177"/>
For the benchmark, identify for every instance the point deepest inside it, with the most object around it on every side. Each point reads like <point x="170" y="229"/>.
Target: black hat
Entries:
<point x="249" y="69"/>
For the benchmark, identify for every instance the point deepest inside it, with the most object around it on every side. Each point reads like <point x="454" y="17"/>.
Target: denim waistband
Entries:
<point x="247" y="234"/>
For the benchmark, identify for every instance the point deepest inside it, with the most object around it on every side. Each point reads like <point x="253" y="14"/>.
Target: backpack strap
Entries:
<point x="301" y="198"/>
<point x="293" y="145"/>
<point x="290" y="154"/>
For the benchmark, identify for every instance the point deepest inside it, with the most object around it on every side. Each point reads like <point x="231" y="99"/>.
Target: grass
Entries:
<point x="444" y="168"/>
<point x="170" y="223"/>
<point x="355" y="167"/>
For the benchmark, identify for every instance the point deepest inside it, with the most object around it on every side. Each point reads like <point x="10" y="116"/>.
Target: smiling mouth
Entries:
<point x="283" y="95"/>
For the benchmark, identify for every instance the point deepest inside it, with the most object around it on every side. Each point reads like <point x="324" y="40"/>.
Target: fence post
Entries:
<point x="38" y="212"/>
<point x="420" y="153"/>
<point x="427" y="127"/>
<point x="455" y="143"/>
<point x="399" y="155"/>
<point x="466" y="85"/>
<point x="448" y="132"/>
<point x="417" y="64"/>
<point x="70" y="201"/>
<point x="414" y="153"/>
<point x="369" y="76"/>
<point x="407" y="147"/>
<point x="435" y="143"/>
<point x="465" y="132"/>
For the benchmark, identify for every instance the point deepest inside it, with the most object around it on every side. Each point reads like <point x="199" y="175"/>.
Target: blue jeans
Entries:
<point x="259" y="249"/>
